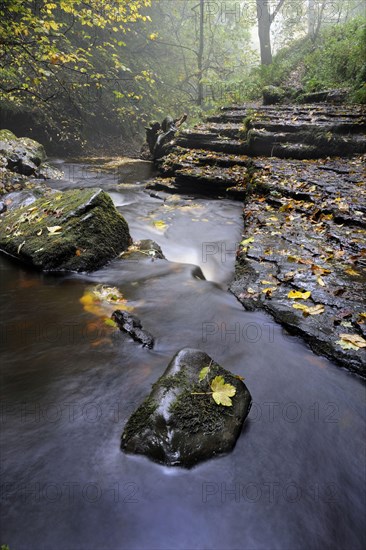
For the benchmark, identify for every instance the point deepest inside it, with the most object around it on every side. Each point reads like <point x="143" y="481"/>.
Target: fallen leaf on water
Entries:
<point x="159" y="224"/>
<point x="222" y="392"/>
<point x="298" y="295"/>
<point x="110" y="323"/>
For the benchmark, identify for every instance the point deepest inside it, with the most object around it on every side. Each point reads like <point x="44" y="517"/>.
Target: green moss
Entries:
<point x="140" y="419"/>
<point x="194" y="413"/>
<point x="7" y="135"/>
<point x="179" y="380"/>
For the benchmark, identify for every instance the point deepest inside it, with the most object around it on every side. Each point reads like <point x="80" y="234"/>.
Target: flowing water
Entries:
<point x="295" y="479"/>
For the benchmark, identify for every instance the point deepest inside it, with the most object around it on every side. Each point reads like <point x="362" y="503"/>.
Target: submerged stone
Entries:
<point x="132" y="325"/>
<point x="145" y="249"/>
<point x="179" y="423"/>
<point x="78" y="230"/>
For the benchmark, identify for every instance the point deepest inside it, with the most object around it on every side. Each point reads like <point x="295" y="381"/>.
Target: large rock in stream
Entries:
<point x="78" y="230"/>
<point x="179" y="423"/>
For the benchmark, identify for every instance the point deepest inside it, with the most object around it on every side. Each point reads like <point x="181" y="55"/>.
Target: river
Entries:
<point x="295" y="480"/>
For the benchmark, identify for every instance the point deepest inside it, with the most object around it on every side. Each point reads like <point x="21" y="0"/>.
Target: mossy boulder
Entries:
<point x="179" y="423"/>
<point x="78" y="230"/>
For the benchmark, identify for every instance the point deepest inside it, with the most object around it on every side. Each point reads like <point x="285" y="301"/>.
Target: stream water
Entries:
<point x="295" y="479"/>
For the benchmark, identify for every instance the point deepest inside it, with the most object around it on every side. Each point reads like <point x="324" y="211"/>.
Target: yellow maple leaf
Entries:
<point x="298" y="295"/>
<point x="222" y="392"/>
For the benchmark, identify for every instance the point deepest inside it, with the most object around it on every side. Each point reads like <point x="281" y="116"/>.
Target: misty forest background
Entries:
<point x="87" y="75"/>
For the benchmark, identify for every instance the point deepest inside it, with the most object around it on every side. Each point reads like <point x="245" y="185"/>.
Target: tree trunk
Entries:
<point x="200" y="54"/>
<point x="264" y="31"/>
<point x="311" y="18"/>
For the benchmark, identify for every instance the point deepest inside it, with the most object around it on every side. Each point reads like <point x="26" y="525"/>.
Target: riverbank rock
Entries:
<point x="78" y="230"/>
<point x="23" y="155"/>
<point x="179" y="423"/>
<point x="21" y="159"/>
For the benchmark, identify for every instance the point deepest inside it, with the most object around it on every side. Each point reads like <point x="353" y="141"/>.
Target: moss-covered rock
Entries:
<point x="78" y="230"/>
<point x="179" y="423"/>
<point x="272" y="95"/>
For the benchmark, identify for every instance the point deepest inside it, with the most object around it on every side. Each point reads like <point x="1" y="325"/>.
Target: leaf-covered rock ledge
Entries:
<point x="78" y="230"/>
<point x="195" y="411"/>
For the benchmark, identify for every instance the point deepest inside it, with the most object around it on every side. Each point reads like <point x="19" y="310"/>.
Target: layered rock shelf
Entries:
<point x="300" y="171"/>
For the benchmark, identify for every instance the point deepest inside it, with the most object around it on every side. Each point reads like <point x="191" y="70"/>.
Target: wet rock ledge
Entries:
<point x="179" y="423"/>
<point x="300" y="172"/>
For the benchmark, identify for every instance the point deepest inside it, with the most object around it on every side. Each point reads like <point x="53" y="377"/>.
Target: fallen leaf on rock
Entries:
<point x="203" y="373"/>
<point x="20" y="246"/>
<point x="269" y="290"/>
<point x="298" y="295"/>
<point x="222" y="392"/>
<point x="247" y="241"/>
<point x="315" y="310"/>
<point x="352" y="272"/>
<point x="54" y="229"/>
<point x="361" y="318"/>
<point x="320" y="281"/>
<point x="289" y="276"/>
<point x="352" y="339"/>
<point x="317" y="270"/>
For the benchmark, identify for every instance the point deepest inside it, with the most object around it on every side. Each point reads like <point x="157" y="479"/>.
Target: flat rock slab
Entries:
<point x="179" y="423"/>
<point x="305" y="230"/>
<point x="78" y="230"/>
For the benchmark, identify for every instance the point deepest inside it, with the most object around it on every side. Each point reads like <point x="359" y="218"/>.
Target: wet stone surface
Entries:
<point x="179" y="423"/>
